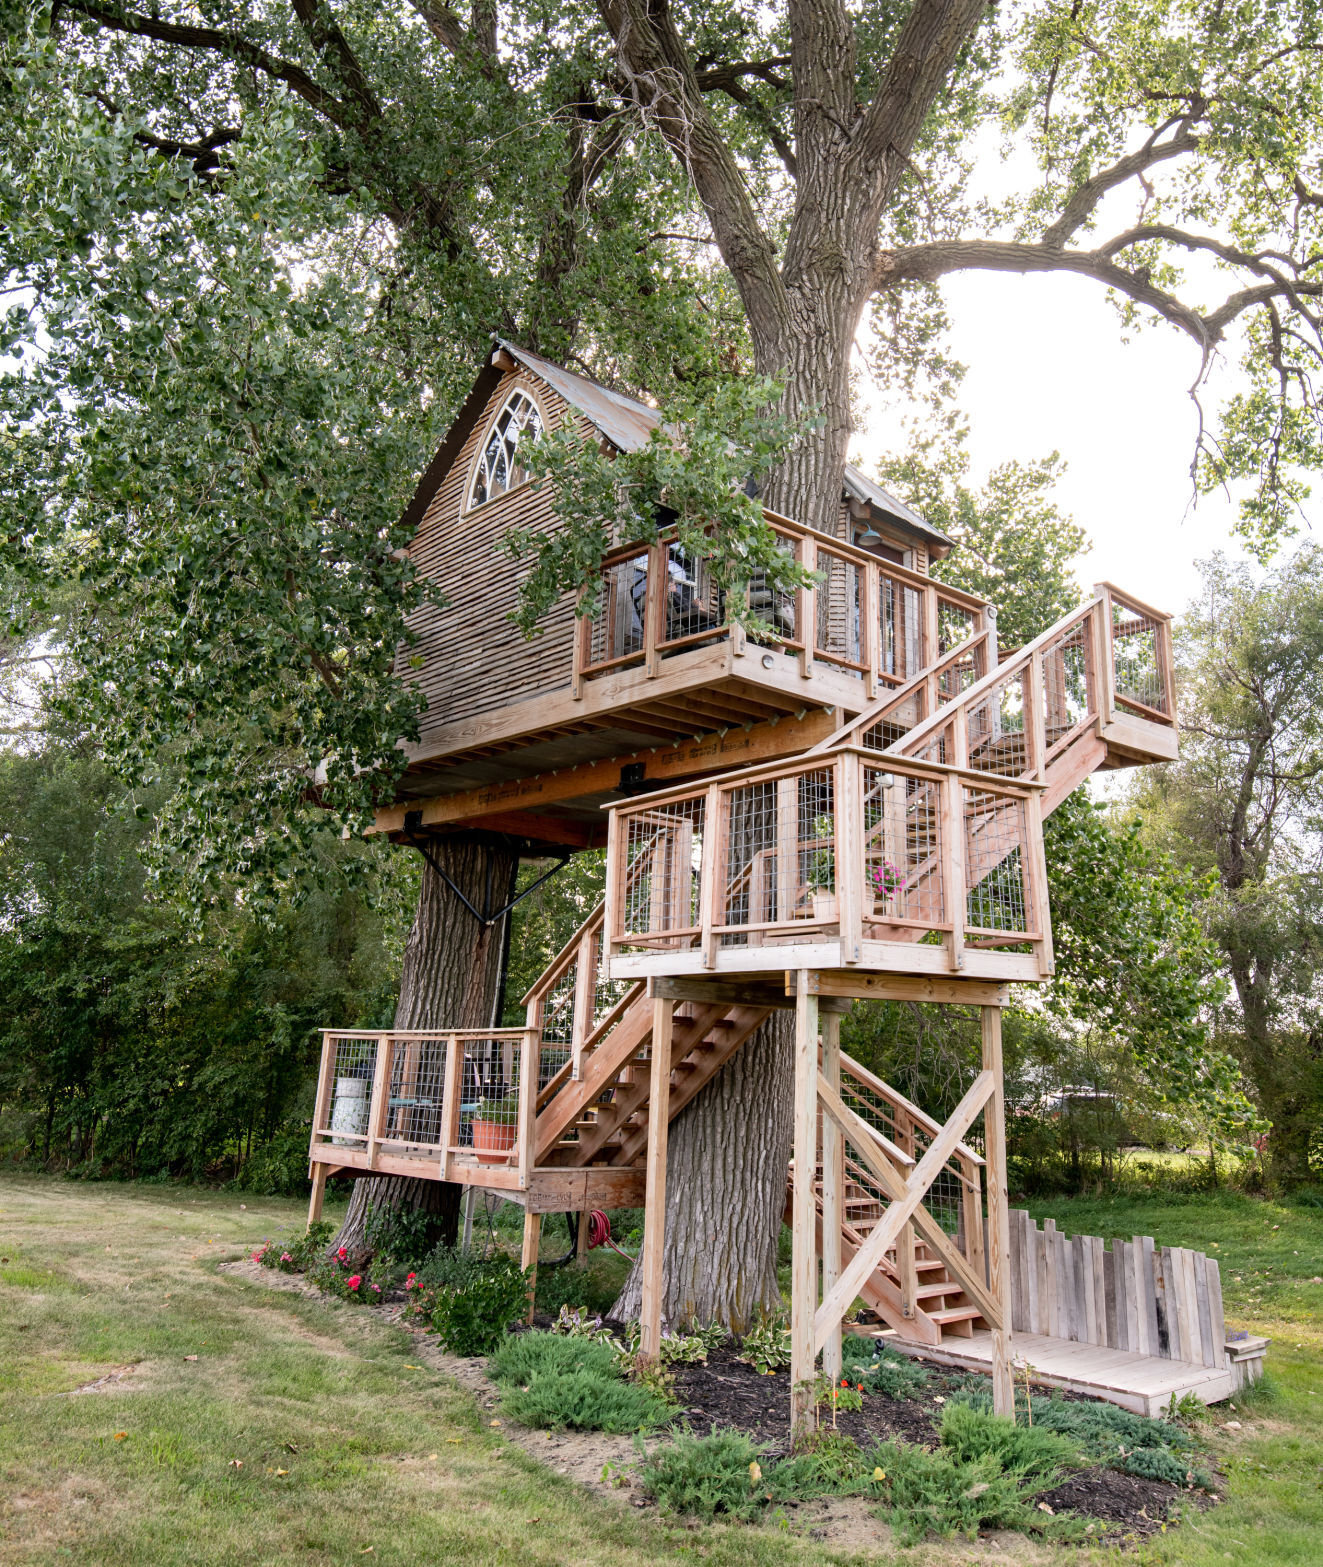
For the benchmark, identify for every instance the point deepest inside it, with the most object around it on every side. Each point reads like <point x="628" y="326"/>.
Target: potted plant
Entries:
<point x="821" y="874"/>
<point x="886" y="881"/>
<point x="495" y="1126"/>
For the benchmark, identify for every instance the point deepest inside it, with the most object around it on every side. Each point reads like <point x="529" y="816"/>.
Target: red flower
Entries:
<point x="354" y="1282"/>
<point x="411" y="1282"/>
<point x="845" y="1381"/>
<point x="343" y="1255"/>
<point x="859" y="1386"/>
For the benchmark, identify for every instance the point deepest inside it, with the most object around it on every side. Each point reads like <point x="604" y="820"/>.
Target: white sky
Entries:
<point x="1048" y="370"/>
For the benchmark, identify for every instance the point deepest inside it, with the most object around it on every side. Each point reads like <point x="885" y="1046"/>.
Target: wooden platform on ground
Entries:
<point x="1142" y="1383"/>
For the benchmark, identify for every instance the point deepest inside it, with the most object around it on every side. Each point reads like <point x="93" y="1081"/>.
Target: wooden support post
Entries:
<point x="528" y="1056"/>
<point x="849" y="851"/>
<point x="654" y="1209"/>
<point x="380" y="1102"/>
<point x="318" y="1173"/>
<point x="833" y="1186"/>
<point x="952" y="817"/>
<point x="803" y="1259"/>
<point x="908" y="1271"/>
<point x="806" y="610"/>
<point x="450" y="1104"/>
<point x="999" y="1222"/>
<point x="528" y="1258"/>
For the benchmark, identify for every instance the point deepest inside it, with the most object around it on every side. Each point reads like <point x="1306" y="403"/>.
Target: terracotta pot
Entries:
<point x="493" y="1140"/>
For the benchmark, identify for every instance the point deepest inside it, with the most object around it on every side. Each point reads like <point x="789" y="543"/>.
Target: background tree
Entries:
<point x="1242" y="808"/>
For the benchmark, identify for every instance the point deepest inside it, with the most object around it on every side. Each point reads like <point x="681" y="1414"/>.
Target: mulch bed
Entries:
<point x="726" y="1394"/>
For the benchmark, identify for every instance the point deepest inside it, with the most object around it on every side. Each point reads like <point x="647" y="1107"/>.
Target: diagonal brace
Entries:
<point x="907" y="1201"/>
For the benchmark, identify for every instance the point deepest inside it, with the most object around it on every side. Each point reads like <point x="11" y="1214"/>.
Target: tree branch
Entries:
<point x="231" y="45"/>
<point x="1082" y="203"/>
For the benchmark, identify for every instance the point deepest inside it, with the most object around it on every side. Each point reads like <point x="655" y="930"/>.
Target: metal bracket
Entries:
<point x="491" y="916"/>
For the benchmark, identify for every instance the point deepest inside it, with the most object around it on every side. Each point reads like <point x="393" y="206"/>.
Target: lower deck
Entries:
<point x="1144" y="1384"/>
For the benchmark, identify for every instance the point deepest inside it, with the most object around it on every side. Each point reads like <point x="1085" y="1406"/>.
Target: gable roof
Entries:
<point x="626" y="423"/>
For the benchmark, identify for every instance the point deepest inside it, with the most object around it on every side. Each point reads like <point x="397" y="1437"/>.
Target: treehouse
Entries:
<point x="851" y="807"/>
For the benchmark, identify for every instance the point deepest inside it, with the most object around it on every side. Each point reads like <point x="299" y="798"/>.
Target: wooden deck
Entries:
<point x="1142" y="1383"/>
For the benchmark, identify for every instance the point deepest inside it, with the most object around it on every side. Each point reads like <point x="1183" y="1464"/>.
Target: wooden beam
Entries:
<point x="833" y="1186"/>
<point x="560" y="830"/>
<point x="318" y="1173"/>
<point x="654" y="1213"/>
<point x="999" y="1234"/>
<point x="803" y="1258"/>
<point x="528" y="1258"/>
<point x="753" y="993"/>
<point x="713" y="753"/>
<point x="899" y="987"/>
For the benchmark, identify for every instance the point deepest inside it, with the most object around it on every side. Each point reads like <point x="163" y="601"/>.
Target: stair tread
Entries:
<point x="955" y="1314"/>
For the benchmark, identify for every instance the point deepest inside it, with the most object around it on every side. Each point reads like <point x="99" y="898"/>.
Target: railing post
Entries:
<point x="450" y="1104"/>
<point x="585" y="991"/>
<point x="654" y="1198"/>
<point x="907" y="1272"/>
<point x="849" y="856"/>
<point x="711" y="874"/>
<point x="655" y="607"/>
<point x="528" y="1057"/>
<point x="1105" y="667"/>
<point x="583" y="631"/>
<point x="971" y="1215"/>
<point x="322" y="1106"/>
<point x="833" y="1185"/>
<point x="380" y="1097"/>
<point x="1035" y="865"/>
<point x="930" y="651"/>
<point x="999" y="1219"/>
<point x="1035" y="729"/>
<point x="870" y="634"/>
<point x="953" y="863"/>
<point x="807" y="609"/>
<point x="615" y="856"/>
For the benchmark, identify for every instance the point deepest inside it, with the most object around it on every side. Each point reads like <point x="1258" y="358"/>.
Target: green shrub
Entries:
<point x="297" y="1252"/>
<point x="1159" y="1463"/>
<point x="707" y="1476"/>
<point x="584" y="1401"/>
<point x="934" y="1493"/>
<point x="826" y="1462"/>
<point x="881" y="1369"/>
<point x="468" y="1299"/>
<point x="337" y="1275"/>
<point x="767" y="1347"/>
<point x="404" y="1236"/>
<point x="1028" y="1452"/>
<point x="519" y="1357"/>
<point x="579" y="1285"/>
<point x="279" y="1168"/>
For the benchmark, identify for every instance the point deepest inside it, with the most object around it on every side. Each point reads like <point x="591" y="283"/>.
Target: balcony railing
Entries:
<point x="442" y="1097"/>
<point x="843" y="845"/>
<point x="873" y="621"/>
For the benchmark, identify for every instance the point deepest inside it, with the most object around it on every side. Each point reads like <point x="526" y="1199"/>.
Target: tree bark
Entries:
<point x="451" y="977"/>
<point x="725" y="1192"/>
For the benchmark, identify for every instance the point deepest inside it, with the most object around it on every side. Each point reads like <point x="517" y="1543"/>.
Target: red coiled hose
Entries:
<point x="599" y="1234"/>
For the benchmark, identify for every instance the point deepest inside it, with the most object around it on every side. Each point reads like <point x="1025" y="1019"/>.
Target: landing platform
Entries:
<point x="1141" y="1383"/>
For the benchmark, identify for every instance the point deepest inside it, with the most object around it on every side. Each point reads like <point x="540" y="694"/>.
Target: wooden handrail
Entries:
<point x="560" y="964"/>
<point x="899" y="1101"/>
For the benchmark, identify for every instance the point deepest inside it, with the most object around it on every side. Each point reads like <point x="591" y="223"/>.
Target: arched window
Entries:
<point x="498" y="468"/>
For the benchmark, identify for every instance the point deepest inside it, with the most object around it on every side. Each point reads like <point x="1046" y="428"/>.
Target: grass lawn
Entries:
<point x="350" y="1453"/>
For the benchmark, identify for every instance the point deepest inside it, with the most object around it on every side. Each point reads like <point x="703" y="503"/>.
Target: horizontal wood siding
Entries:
<point x="472" y="659"/>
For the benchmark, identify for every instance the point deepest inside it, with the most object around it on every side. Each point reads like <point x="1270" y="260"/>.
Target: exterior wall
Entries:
<point x="473" y="659"/>
<point x="916" y="553"/>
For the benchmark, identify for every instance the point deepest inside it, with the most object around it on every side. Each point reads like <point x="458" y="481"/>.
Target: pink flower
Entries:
<point x="353" y="1282"/>
<point x="286" y="1257"/>
<point x="342" y="1255"/>
<point x="376" y="1287"/>
<point x="411" y="1283"/>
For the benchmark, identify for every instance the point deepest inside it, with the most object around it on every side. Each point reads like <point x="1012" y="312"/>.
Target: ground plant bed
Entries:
<point x="727" y="1394"/>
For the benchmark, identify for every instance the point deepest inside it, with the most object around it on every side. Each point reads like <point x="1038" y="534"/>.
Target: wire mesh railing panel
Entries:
<point x="900" y="628"/>
<point x="955" y="678"/>
<point x="938" y="745"/>
<point x="780" y="855"/>
<point x="997" y="897"/>
<point x="775" y="608"/>
<point x="955" y="623"/>
<point x="663" y="866"/>
<point x="489" y="1095"/>
<point x="887" y="732"/>
<point x="416" y="1092"/>
<point x="557" y="1035"/>
<point x="693" y="606"/>
<point x="607" y="992"/>
<point x="1067" y="678"/>
<point x="617" y="627"/>
<point x="1137" y="660"/>
<point x="352" y="1069"/>
<point x="996" y="732"/>
<point x="902" y="848"/>
<point x="839" y="607"/>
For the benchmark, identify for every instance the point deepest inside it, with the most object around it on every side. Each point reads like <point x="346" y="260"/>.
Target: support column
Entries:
<point x="528" y="1259"/>
<point x="833" y="1184"/>
<point x="803" y="1263"/>
<point x="318" y="1174"/>
<point x="654" y="1209"/>
<point x="999" y="1220"/>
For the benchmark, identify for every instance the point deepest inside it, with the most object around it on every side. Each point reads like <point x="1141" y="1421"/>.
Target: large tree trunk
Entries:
<point x="730" y="1149"/>
<point x="726" y="1191"/>
<point x="451" y="978"/>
